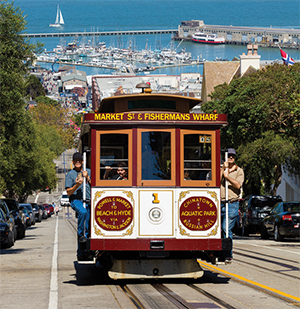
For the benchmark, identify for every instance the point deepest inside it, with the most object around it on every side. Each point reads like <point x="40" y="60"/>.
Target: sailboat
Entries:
<point x="59" y="21"/>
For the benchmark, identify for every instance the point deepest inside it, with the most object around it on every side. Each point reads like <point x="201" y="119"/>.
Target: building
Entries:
<point x="241" y="35"/>
<point x="219" y="72"/>
<point x="73" y="78"/>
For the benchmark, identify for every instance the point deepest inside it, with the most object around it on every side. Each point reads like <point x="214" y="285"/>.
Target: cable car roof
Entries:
<point x="118" y="103"/>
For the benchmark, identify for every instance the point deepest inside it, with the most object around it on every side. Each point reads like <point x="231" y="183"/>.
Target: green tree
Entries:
<point x="34" y="87"/>
<point x="46" y="100"/>
<point x="56" y="117"/>
<point x="263" y="111"/>
<point x="26" y="164"/>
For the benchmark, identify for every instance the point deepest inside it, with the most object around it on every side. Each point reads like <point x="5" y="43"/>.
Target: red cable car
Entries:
<point x="155" y="196"/>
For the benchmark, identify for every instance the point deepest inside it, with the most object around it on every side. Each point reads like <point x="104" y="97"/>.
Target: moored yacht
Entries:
<point x="200" y="37"/>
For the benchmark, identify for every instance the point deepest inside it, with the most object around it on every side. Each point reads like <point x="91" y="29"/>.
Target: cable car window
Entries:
<point x="114" y="156"/>
<point x="156" y="155"/>
<point x="197" y="157"/>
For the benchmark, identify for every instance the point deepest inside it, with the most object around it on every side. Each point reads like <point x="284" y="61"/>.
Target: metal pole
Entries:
<point x="226" y="197"/>
<point x="84" y="185"/>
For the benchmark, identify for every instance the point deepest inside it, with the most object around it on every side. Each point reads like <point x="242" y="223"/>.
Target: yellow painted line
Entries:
<point x="219" y="270"/>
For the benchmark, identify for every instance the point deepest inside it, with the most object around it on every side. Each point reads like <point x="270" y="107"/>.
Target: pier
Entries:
<point x="98" y="33"/>
<point x="193" y="62"/>
<point x="237" y="35"/>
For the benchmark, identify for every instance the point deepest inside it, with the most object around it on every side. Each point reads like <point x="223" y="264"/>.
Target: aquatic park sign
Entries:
<point x="165" y="117"/>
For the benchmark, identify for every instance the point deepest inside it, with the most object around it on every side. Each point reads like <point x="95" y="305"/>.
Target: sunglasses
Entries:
<point x="231" y="156"/>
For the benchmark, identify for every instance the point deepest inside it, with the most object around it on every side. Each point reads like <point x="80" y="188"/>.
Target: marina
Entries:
<point x="122" y="60"/>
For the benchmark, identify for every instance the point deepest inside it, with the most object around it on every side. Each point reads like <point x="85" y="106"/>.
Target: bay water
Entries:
<point x="113" y="15"/>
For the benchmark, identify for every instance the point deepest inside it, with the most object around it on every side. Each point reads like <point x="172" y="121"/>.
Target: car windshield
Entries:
<point x="11" y="205"/>
<point x="264" y="201"/>
<point x="25" y="210"/>
<point x="65" y="196"/>
<point x="28" y="207"/>
<point x="291" y="207"/>
<point x="2" y="216"/>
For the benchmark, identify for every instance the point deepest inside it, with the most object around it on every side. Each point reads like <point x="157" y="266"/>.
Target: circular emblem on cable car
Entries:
<point x="113" y="213"/>
<point x="198" y="213"/>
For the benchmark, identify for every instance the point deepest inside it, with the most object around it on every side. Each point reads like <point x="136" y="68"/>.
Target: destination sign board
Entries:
<point x="198" y="213"/>
<point x="113" y="213"/>
<point x="164" y="116"/>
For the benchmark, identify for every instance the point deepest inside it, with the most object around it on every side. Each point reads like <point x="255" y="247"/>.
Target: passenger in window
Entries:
<point x="187" y="175"/>
<point x="121" y="172"/>
<point x="206" y="168"/>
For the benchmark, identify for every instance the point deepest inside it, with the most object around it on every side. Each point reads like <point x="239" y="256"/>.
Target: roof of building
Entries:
<point x="65" y="68"/>
<point x="73" y="74"/>
<point x="249" y="71"/>
<point x="216" y="73"/>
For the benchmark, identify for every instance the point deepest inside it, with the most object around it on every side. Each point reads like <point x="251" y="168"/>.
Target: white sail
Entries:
<point x="57" y="15"/>
<point x="61" y="20"/>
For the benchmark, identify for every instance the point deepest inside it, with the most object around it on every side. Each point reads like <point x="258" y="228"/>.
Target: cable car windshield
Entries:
<point x="156" y="155"/>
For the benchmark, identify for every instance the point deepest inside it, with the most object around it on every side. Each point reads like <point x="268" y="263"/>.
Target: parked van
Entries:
<point x="64" y="200"/>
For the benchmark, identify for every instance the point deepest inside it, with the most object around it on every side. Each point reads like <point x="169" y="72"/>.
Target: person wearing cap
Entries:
<point x="234" y="175"/>
<point x="74" y="188"/>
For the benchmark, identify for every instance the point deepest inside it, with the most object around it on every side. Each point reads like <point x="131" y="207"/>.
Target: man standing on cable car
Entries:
<point x="74" y="188"/>
<point x="235" y="176"/>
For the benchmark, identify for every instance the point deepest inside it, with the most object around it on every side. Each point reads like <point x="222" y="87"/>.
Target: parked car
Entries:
<point x="37" y="211"/>
<point x="9" y="217"/>
<point x="44" y="212"/>
<point x="47" y="209"/>
<point x="51" y="208"/>
<point x="26" y="214"/>
<point x="254" y="208"/>
<point x="64" y="200"/>
<point x="283" y="221"/>
<point x="30" y="212"/>
<point x="20" y="220"/>
<point x="6" y="232"/>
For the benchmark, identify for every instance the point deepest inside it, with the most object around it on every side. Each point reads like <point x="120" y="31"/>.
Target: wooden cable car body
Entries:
<point x="165" y="214"/>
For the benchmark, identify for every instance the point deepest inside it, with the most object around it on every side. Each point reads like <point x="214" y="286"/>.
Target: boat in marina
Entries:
<point x="200" y="37"/>
<point x="59" y="21"/>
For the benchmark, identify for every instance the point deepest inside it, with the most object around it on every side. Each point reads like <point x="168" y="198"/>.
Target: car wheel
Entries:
<point x="277" y="236"/>
<point x="15" y="233"/>
<point x="22" y="233"/>
<point x="263" y="232"/>
<point x="11" y="240"/>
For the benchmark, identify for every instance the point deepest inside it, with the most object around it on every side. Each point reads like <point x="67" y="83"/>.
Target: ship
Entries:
<point x="200" y="37"/>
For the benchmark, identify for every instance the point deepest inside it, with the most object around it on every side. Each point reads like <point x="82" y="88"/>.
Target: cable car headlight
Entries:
<point x="156" y="214"/>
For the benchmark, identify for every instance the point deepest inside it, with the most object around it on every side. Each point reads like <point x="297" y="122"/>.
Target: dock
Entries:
<point x="99" y="33"/>
<point x="237" y="35"/>
<point x="193" y="62"/>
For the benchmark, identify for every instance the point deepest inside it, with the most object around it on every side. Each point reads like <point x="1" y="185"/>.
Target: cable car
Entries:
<point x="155" y="194"/>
